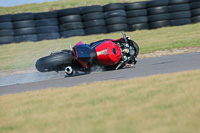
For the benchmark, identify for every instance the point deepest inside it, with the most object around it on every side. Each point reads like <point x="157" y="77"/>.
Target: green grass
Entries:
<point x="157" y="104"/>
<point x="24" y="55"/>
<point x="61" y="4"/>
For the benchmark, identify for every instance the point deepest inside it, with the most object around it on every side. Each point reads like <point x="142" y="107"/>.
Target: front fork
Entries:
<point x="126" y="59"/>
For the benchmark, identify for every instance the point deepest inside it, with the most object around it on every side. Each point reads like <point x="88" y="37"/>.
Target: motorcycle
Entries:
<point x="109" y="54"/>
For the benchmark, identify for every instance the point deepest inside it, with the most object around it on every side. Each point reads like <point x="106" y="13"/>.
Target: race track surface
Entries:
<point x="145" y="67"/>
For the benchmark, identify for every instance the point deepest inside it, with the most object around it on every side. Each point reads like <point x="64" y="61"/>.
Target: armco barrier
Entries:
<point x="97" y="19"/>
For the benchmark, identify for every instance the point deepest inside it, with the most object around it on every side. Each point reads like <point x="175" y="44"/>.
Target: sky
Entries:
<point x="8" y="3"/>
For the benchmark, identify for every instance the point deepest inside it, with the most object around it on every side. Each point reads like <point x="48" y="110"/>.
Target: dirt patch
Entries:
<point x="170" y="52"/>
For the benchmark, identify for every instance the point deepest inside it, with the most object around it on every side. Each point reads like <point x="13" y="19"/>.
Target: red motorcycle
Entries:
<point x="108" y="54"/>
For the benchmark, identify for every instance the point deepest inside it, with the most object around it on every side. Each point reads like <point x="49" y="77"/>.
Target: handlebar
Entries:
<point x="124" y="35"/>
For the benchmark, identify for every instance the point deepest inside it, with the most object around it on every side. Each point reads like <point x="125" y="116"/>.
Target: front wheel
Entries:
<point x="137" y="49"/>
<point x="54" y="62"/>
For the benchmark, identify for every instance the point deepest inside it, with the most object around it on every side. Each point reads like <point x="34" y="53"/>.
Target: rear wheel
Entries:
<point x="54" y="62"/>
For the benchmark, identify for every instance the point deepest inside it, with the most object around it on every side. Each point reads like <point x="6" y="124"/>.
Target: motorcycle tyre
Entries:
<point x="135" y="6"/>
<point x="5" y="18"/>
<point x="137" y="49"/>
<point x="54" y="62"/>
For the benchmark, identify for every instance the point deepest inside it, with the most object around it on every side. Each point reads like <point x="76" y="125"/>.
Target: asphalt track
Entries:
<point x="145" y="67"/>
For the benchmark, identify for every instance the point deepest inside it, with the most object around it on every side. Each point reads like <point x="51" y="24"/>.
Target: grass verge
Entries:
<point x="24" y="55"/>
<point x="166" y="103"/>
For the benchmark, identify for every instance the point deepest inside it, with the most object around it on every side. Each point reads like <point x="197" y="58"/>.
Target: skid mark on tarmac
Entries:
<point x="145" y="67"/>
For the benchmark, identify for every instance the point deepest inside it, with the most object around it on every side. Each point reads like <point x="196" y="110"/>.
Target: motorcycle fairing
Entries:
<point x="108" y="53"/>
<point x="84" y="54"/>
<point x="104" y="52"/>
<point x="93" y="45"/>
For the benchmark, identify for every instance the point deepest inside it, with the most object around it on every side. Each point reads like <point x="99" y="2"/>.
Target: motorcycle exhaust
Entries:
<point x="69" y="70"/>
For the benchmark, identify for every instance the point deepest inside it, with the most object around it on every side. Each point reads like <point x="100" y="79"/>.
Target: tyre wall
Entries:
<point x="70" y="22"/>
<point x="97" y="19"/>
<point x="137" y="16"/>
<point x="93" y="20"/>
<point x="158" y="14"/>
<point x="180" y="13"/>
<point x="115" y="17"/>
<point x="195" y="10"/>
<point x="6" y="29"/>
<point x="24" y="27"/>
<point x="47" y="26"/>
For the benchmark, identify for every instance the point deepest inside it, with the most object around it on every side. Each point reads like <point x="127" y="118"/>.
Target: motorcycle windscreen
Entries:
<point x="108" y="53"/>
<point x="84" y="54"/>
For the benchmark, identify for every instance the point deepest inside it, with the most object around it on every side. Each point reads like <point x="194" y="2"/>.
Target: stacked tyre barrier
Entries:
<point x="158" y="15"/>
<point x="179" y="12"/>
<point x="137" y="16"/>
<point x="24" y="27"/>
<point x="47" y="26"/>
<point x="6" y="30"/>
<point x="195" y="10"/>
<point x="93" y="20"/>
<point x="70" y="22"/>
<point x="115" y="17"/>
<point x="97" y="19"/>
